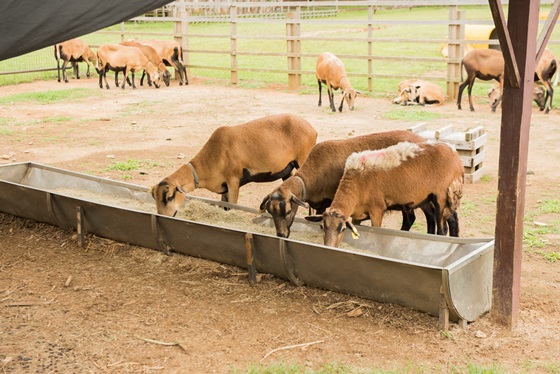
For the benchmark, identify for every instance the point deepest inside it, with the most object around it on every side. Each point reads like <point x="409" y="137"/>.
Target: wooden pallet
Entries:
<point x="469" y="144"/>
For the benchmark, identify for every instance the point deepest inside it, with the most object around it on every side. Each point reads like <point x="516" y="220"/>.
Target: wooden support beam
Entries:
<point x="505" y="42"/>
<point x="514" y="145"/>
<point x="544" y="36"/>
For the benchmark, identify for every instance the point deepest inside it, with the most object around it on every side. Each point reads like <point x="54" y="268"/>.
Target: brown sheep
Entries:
<point x="316" y="181"/>
<point x="262" y="150"/>
<point x="118" y="57"/>
<point x="544" y="71"/>
<point x="171" y="53"/>
<point x="73" y="51"/>
<point x="406" y="174"/>
<point x="152" y="55"/>
<point x="330" y="71"/>
<point x="484" y="64"/>
<point x="421" y="92"/>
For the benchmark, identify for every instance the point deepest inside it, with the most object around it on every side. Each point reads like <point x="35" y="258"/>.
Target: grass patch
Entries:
<point x="549" y="206"/>
<point x="131" y="165"/>
<point x="48" y="97"/>
<point x="411" y="114"/>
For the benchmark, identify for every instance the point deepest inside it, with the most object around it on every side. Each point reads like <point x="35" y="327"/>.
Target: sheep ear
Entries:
<point x="355" y="233"/>
<point x="262" y="208"/>
<point x="418" y="87"/>
<point x="181" y="190"/>
<point x="299" y="202"/>
<point x="358" y="93"/>
<point x="314" y="218"/>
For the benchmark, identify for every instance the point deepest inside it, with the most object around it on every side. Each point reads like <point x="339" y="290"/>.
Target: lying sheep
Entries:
<point x="422" y="93"/>
<point x="484" y="64"/>
<point x="117" y="58"/>
<point x="262" y="150"/>
<point x="154" y="58"/>
<point x="73" y="51"/>
<point x="171" y="54"/>
<point x="406" y="174"/>
<point x="316" y="181"/>
<point x="331" y="72"/>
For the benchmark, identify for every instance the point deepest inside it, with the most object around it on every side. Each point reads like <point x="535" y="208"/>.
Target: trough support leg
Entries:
<point x="443" y="312"/>
<point x="284" y="259"/>
<point x="80" y="226"/>
<point x="249" y="251"/>
<point x="463" y="323"/>
<point x="163" y="247"/>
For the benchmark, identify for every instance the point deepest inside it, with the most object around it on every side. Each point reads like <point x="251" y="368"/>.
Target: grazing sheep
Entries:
<point x="484" y="64"/>
<point x="73" y="51"/>
<point x="422" y="93"/>
<point x="316" y="181"/>
<point x="495" y="94"/>
<point x="331" y="72"/>
<point x="171" y="53"/>
<point x="118" y="57"/>
<point x="406" y="174"/>
<point x="154" y="58"/>
<point x="545" y="69"/>
<point x="262" y="150"/>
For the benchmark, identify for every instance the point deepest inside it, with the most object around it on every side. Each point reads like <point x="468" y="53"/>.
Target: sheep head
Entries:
<point x="350" y="97"/>
<point x="152" y="71"/>
<point x="333" y="224"/>
<point x="165" y="74"/>
<point x="539" y="96"/>
<point x="283" y="207"/>
<point x="169" y="196"/>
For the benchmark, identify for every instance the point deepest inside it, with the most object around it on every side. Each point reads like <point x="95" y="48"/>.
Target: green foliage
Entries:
<point x="128" y="165"/>
<point x="550" y="206"/>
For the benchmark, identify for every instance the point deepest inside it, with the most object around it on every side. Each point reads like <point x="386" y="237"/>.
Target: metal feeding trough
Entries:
<point x="446" y="277"/>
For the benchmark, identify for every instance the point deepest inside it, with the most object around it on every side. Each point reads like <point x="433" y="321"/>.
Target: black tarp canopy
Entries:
<point x="29" y="25"/>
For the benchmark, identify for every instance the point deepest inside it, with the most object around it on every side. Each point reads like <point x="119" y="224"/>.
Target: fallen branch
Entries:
<point x="158" y="342"/>
<point x="290" y="347"/>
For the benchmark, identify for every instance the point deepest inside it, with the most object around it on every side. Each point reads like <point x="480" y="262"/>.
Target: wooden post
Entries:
<point x="370" y="47"/>
<point x="122" y="31"/>
<point x="456" y="34"/>
<point x="233" y="44"/>
<point x="514" y="142"/>
<point x="181" y="32"/>
<point x="293" y="33"/>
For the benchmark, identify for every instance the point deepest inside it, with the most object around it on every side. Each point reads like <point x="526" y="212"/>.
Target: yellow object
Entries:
<point x="481" y="32"/>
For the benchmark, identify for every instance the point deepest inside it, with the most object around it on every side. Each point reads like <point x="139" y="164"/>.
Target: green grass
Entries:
<point x="131" y="165"/>
<point x="47" y="97"/>
<point x="411" y="114"/>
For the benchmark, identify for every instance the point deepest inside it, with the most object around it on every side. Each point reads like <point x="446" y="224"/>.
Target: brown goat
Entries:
<point x="154" y="58"/>
<point x="118" y="57"/>
<point x="262" y="150"/>
<point x="406" y="174"/>
<point x="317" y="180"/>
<point x="423" y="93"/>
<point x="73" y="51"/>
<point x="484" y="64"/>
<point x="171" y="53"/>
<point x="330" y="71"/>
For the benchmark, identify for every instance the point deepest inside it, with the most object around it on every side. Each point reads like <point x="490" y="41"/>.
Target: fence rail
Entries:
<point x="296" y="17"/>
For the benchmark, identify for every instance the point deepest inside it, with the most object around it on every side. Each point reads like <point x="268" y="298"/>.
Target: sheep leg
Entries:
<point x="126" y="71"/>
<point x="408" y="219"/>
<point x="64" y="65"/>
<point x="320" y="89"/>
<point x="133" y="85"/>
<point x="116" y="78"/>
<point x="58" y="68"/>
<point x="453" y="222"/>
<point x="104" y="70"/>
<point x="548" y="97"/>
<point x="331" y="97"/>
<point x="440" y="221"/>
<point x="185" y="72"/>
<point x="376" y="217"/>
<point x="460" y="93"/>
<point x="471" y="84"/>
<point x="178" y="67"/>
<point x="76" y="69"/>
<point x="341" y="102"/>
<point x="87" y="72"/>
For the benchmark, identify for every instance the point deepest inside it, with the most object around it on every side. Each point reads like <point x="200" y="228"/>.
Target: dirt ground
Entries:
<point x="110" y="306"/>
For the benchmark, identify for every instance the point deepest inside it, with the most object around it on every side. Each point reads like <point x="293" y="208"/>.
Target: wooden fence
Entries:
<point x="295" y="15"/>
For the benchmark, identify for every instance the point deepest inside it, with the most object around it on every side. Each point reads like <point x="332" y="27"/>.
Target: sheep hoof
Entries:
<point x="180" y="83"/>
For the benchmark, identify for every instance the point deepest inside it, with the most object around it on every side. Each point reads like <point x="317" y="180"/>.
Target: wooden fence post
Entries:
<point x="233" y="44"/>
<point x="455" y="50"/>
<point x="370" y="47"/>
<point x="181" y="32"/>
<point x="293" y="33"/>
